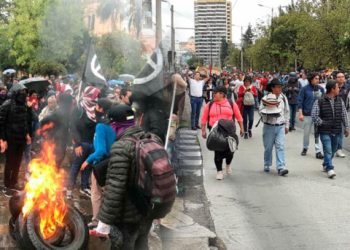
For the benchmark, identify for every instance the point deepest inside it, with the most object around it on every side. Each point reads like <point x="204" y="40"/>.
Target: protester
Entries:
<point x="117" y="209"/>
<point x="196" y="92"/>
<point x="49" y="109"/>
<point x="103" y="140"/>
<point x="343" y="94"/>
<point x="246" y="101"/>
<point x="3" y="94"/>
<point x="274" y="111"/>
<point x="83" y="123"/>
<point x="125" y="95"/>
<point x="306" y="99"/>
<point x="208" y="90"/>
<point x="15" y="126"/>
<point x="291" y="91"/>
<point x="330" y="116"/>
<point x="303" y="81"/>
<point x="221" y="108"/>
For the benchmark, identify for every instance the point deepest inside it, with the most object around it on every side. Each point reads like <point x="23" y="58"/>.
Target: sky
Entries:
<point x="243" y="13"/>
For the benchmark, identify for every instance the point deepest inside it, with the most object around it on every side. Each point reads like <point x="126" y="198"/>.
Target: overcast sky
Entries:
<point x="243" y="13"/>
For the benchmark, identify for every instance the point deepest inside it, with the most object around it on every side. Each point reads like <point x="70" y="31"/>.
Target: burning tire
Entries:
<point x="73" y="236"/>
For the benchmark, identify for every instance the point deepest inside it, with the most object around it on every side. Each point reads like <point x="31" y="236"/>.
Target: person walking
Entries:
<point x="208" y="90"/>
<point x="291" y="91"/>
<point x="221" y="108"/>
<point x="15" y="127"/>
<point x="196" y="92"/>
<point x="343" y="94"/>
<point x="246" y="101"/>
<point x="274" y="112"/>
<point x="330" y="116"/>
<point x="306" y="99"/>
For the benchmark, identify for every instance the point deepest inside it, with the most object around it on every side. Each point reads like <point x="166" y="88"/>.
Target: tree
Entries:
<point x="248" y="37"/>
<point x="5" y="9"/>
<point x="223" y="51"/>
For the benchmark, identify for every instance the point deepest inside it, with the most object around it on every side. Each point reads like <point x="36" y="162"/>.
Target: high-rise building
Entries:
<point x="212" y="21"/>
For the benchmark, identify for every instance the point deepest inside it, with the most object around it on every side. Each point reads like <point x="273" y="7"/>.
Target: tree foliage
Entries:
<point x="224" y="49"/>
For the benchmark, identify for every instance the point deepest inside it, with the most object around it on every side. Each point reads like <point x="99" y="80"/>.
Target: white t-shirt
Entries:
<point x="303" y="82"/>
<point x="238" y="83"/>
<point x="196" y="88"/>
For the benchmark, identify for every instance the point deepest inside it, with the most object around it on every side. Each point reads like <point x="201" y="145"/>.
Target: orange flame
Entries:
<point x="44" y="192"/>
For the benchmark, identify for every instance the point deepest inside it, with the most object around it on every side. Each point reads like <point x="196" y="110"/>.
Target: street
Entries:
<point x="256" y="210"/>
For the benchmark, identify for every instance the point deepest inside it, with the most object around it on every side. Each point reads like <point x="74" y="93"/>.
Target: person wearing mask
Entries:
<point x="196" y="92"/>
<point x="306" y="98"/>
<point x="246" y="101"/>
<point x="103" y="140"/>
<point x="3" y="95"/>
<point x="291" y="91"/>
<point x="82" y="127"/>
<point x="330" y="116"/>
<point x="117" y="209"/>
<point x="274" y="112"/>
<point x="15" y="127"/>
<point x="221" y="109"/>
<point x="343" y="94"/>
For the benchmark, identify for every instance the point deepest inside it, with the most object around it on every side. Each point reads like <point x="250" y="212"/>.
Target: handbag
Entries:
<point x="100" y="171"/>
<point x="222" y="136"/>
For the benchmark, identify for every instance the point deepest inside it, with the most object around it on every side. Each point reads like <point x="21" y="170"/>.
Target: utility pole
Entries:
<point x="241" y="48"/>
<point x="172" y="39"/>
<point x="158" y="22"/>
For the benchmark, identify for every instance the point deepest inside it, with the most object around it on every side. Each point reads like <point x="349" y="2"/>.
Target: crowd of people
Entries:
<point x="95" y="126"/>
<point x="320" y="99"/>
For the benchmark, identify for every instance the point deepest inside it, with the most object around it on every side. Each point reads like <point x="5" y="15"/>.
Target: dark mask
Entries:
<point x="101" y="117"/>
<point x="21" y="98"/>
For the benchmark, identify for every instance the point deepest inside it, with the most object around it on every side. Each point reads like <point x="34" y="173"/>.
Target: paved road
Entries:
<point x="255" y="210"/>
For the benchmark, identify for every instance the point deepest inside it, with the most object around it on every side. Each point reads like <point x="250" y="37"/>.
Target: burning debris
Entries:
<point x="41" y="219"/>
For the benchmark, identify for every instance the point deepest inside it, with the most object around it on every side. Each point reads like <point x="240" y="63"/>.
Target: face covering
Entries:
<point x="21" y="98"/>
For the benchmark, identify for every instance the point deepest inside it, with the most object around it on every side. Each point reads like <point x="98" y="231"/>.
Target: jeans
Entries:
<point x="196" y="104"/>
<point x="248" y="117"/>
<point x="274" y="136"/>
<point x="293" y="111"/>
<point x="307" y="125"/>
<point x="330" y="146"/>
<point x="75" y="167"/>
<point x="340" y="143"/>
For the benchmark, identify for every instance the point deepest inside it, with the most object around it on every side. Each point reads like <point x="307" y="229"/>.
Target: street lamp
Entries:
<point x="268" y="7"/>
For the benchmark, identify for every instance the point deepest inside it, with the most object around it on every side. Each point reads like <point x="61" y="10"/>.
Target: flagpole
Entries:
<point x="82" y="77"/>
<point x="170" y="116"/>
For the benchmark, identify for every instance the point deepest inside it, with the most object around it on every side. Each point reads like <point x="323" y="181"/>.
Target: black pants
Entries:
<point x="220" y="156"/>
<point x="14" y="155"/>
<point x="135" y="236"/>
<point x="248" y="117"/>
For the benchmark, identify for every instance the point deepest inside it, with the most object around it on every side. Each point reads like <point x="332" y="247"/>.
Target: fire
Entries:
<point x="44" y="192"/>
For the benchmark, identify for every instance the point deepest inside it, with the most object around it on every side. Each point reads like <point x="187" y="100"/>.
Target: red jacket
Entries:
<point x="241" y="92"/>
<point x="220" y="110"/>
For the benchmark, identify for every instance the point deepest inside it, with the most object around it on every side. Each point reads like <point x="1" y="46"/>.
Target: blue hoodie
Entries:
<point x="103" y="140"/>
<point x="307" y="96"/>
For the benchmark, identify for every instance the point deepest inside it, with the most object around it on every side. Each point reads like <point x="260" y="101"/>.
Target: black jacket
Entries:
<point x="15" y="122"/>
<point x="82" y="128"/>
<point x="117" y="206"/>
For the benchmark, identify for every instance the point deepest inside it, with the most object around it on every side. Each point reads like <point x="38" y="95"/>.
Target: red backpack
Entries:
<point x="153" y="187"/>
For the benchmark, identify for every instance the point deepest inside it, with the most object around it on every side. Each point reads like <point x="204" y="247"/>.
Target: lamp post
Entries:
<point x="268" y="7"/>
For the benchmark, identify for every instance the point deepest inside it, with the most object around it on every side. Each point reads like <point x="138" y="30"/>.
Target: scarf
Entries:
<point x="89" y="100"/>
<point x="119" y="127"/>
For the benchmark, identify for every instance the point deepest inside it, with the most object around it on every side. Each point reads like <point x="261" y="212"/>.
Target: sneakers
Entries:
<point x="92" y="224"/>
<point x="8" y="192"/>
<point x="228" y="170"/>
<point x="219" y="175"/>
<point x="250" y="133"/>
<point x="69" y="194"/>
<point x="340" y="153"/>
<point x="245" y="135"/>
<point x="331" y="174"/>
<point x="283" y="172"/>
<point x="303" y="153"/>
<point x="319" y="155"/>
<point x="86" y="191"/>
<point x="266" y="169"/>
